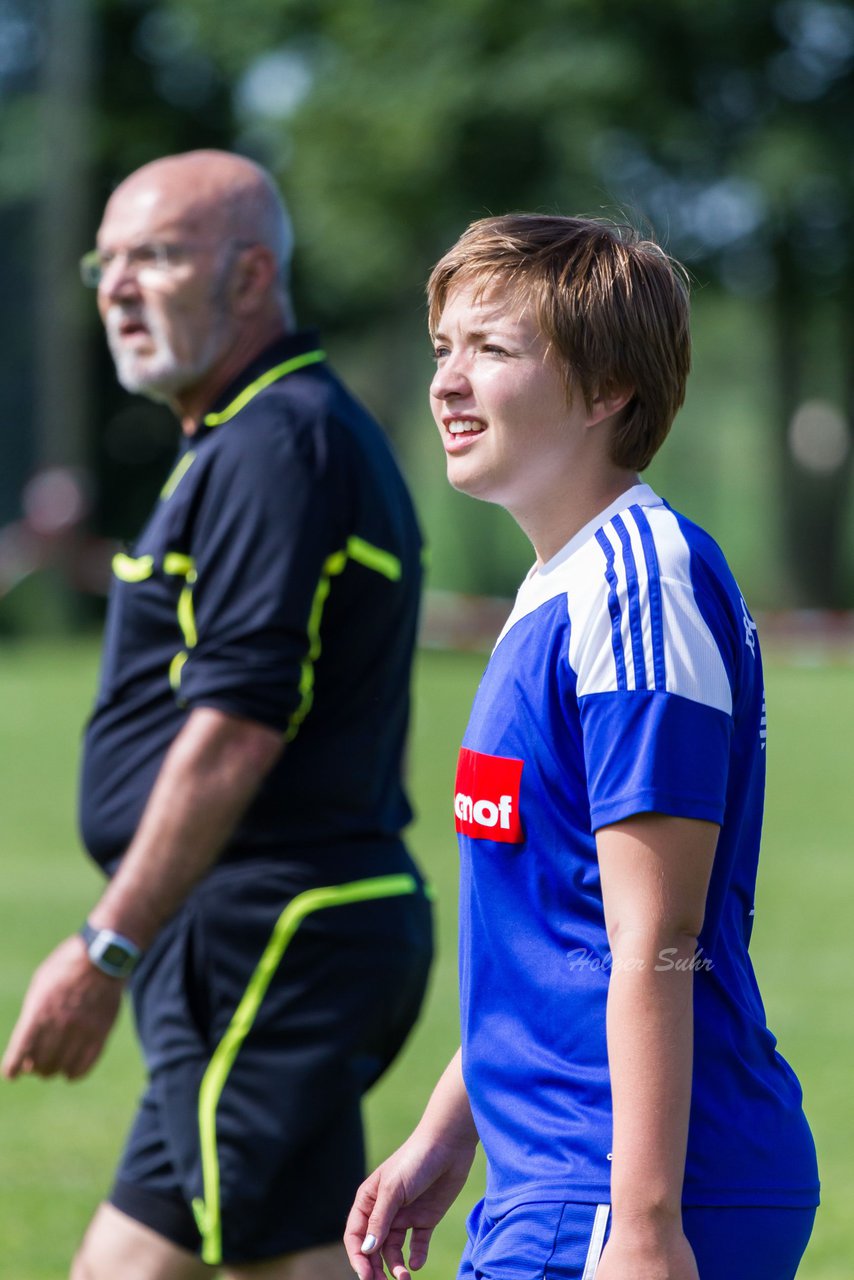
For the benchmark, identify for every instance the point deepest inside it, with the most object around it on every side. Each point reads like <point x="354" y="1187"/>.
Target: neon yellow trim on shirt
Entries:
<point x="176" y="666"/>
<point x="129" y="569"/>
<point x="207" y="1209"/>
<point x="177" y="475"/>
<point x="186" y="614"/>
<point x="178" y="564"/>
<point x="371" y="558"/>
<point x="267" y="379"/>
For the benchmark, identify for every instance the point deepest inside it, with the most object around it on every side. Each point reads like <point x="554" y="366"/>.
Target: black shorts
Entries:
<point x="265" y="1009"/>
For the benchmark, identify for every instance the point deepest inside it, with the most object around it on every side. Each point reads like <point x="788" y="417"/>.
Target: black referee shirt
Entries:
<point x="278" y="578"/>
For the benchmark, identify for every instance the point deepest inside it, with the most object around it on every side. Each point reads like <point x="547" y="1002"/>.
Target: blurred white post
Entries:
<point x="62" y="231"/>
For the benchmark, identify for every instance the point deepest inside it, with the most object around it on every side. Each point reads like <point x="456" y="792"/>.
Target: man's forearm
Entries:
<point x="208" y="778"/>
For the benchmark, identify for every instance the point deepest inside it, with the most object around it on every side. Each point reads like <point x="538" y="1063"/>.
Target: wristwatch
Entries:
<point x="110" y="952"/>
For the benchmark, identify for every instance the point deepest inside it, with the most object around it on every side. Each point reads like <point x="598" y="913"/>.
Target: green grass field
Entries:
<point x="58" y="1141"/>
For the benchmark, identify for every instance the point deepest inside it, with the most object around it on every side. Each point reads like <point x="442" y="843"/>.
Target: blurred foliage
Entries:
<point x="726" y="128"/>
<point x="729" y="126"/>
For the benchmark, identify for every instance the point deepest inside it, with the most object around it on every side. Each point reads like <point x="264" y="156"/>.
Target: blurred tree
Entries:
<point x="62" y="221"/>
<point x="155" y="92"/>
<point x="391" y="125"/>
<point x="89" y="90"/>
<point x="727" y="126"/>
<point x="746" y="157"/>
<point x="20" y="57"/>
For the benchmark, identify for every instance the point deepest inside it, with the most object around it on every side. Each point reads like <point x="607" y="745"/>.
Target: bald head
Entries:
<point x="194" y="252"/>
<point x="212" y="194"/>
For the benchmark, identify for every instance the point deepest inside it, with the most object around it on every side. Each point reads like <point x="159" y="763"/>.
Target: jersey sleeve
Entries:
<point x="650" y="653"/>
<point x="259" y="544"/>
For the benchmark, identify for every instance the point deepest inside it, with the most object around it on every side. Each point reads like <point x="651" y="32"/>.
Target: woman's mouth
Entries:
<point x="464" y="426"/>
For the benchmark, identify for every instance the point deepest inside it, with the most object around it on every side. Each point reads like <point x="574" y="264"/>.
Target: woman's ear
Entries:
<point x="607" y="403"/>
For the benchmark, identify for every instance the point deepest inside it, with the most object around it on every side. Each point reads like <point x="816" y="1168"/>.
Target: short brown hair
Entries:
<point x="613" y="305"/>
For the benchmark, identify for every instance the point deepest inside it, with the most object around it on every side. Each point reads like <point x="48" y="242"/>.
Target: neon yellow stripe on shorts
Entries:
<point x="208" y="1209"/>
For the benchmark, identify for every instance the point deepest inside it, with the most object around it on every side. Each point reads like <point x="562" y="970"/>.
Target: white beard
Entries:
<point x="158" y="373"/>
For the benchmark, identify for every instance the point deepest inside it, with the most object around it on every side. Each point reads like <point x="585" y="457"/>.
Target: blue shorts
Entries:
<point x="564" y="1242"/>
<point x="265" y="1008"/>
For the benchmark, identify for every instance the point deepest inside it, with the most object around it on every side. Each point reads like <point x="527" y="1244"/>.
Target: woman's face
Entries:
<point x="501" y="403"/>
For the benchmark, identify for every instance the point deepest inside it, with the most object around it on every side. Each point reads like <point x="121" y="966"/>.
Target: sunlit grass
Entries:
<point x="59" y="1141"/>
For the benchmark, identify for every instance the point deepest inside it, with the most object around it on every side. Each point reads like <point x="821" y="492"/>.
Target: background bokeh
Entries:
<point x="727" y="129"/>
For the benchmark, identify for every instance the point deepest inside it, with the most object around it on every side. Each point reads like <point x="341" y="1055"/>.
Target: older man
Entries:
<point x="241" y="771"/>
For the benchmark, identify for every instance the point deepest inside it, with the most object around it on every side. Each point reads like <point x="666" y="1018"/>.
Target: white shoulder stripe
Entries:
<point x="636" y="624"/>
<point x="591" y="635"/>
<point x="557" y="577"/>
<point x="695" y="668"/>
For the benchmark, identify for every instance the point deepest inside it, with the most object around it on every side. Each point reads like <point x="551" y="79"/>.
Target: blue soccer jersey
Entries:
<point x="627" y="680"/>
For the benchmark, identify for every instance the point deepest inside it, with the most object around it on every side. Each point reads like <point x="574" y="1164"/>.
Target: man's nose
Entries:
<point x="118" y="278"/>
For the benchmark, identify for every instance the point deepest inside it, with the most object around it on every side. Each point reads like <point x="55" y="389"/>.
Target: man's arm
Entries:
<point x="208" y="778"/>
<point x="210" y="774"/>
<point x="655" y="873"/>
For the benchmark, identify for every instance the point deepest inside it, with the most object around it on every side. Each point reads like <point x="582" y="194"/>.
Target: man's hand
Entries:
<point x="210" y="775"/>
<point x="68" y="1012"/>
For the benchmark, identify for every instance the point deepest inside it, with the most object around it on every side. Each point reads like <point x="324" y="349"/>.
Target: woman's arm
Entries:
<point x="655" y="874"/>
<point x="416" y="1186"/>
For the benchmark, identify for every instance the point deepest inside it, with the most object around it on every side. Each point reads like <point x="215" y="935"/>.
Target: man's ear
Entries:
<point x="607" y="403"/>
<point x="253" y="276"/>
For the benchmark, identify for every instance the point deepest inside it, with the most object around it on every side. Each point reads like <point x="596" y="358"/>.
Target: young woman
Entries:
<point x="637" y="1120"/>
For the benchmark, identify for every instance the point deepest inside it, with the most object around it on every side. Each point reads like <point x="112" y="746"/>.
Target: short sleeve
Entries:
<point x="262" y="535"/>
<point x="654" y="753"/>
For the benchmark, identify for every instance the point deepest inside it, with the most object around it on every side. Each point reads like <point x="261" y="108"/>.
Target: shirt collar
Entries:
<point x="289" y="347"/>
<point x="639" y="494"/>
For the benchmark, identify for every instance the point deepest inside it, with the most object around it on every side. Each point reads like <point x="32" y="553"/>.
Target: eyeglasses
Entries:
<point x="159" y="258"/>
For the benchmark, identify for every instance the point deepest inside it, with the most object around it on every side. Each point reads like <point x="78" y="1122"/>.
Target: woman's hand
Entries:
<point x="411" y="1191"/>
<point x="415" y="1187"/>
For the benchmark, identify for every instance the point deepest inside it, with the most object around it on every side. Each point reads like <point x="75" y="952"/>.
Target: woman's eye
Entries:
<point x="439" y="353"/>
<point x="495" y="351"/>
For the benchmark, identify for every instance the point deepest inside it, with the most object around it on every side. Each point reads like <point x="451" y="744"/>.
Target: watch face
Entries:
<point x="115" y="956"/>
<point x="112" y="953"/>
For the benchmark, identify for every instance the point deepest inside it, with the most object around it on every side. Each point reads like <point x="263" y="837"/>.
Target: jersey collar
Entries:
<point x="638" y="495"/>
<point x="285" y="355"/>
<point x="543" y="582"/>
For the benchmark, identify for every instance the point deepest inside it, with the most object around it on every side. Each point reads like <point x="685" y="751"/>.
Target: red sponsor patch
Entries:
<point x="486" y="797"/>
